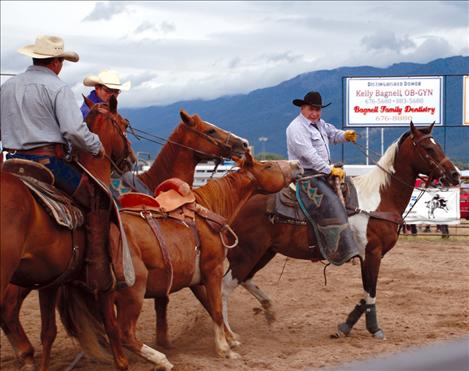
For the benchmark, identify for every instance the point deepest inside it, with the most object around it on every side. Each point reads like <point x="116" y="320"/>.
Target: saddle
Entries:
<point x="283" y="206"/>
<point x="39" y="179"/>
<point x="60" y="206"/>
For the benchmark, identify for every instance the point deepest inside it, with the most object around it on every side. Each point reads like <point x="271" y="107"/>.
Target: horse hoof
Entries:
<point x="343" y="330"/>
<point x="233" y="355"/>
<point x="234" y="343"/>
<point x="379" y="335"/>
<point x="165" y="366"/>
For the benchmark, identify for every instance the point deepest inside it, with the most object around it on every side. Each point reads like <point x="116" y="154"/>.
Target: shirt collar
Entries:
<point x="306" y="121"/>
<point x="40" y="68"/>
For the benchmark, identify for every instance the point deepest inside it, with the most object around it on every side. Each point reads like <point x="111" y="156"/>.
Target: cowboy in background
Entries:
<point x="39" y="117"/>
<point x="106" y="84"/>
<point x="308" y="140"/>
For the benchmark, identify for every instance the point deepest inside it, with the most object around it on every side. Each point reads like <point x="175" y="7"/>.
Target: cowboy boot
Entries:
<point x="98" y="266"/>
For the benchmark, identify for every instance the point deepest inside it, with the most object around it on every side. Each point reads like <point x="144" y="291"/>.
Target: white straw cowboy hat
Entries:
<point x="107" y="78"/>
<point x="48" y="47"/>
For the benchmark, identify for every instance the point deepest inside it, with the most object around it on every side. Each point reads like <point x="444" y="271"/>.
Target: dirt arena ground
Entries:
<point x="423" y="298"/>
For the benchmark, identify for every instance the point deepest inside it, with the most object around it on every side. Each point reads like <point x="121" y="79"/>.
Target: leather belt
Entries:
<point x="51" y="150"/>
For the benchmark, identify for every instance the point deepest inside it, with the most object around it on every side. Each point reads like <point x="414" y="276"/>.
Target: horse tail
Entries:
<point x="80" y="316"/>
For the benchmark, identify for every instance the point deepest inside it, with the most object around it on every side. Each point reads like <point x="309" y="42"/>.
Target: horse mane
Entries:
<point x="380" y="176"/>
<point x="214" y="194"/>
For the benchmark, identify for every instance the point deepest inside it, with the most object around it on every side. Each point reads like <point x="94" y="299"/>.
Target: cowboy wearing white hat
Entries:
<point x="106" y="84"/>
<point x="38" y="116"/>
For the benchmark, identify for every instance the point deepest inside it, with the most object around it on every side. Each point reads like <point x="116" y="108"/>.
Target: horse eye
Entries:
<point x="211" y="131"/>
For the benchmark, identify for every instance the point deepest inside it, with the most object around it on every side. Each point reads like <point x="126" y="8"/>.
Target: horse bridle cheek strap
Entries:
<point x="426" y="157"/>
<point x="155" y="227"/>
<point x="225" y="147"/>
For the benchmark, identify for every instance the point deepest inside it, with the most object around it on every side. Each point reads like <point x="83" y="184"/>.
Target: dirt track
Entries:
<point x="423" y="298"/>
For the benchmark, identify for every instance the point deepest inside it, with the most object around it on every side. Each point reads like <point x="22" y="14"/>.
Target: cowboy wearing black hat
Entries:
<point x="308" y="140"/>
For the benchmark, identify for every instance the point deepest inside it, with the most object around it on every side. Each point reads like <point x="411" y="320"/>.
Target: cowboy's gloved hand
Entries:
<point x="350" y="136"/>
<point x="338" y="172"/>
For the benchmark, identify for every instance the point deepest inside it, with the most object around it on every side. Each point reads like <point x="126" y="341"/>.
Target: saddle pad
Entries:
<point x="56" y="203"/>
<point x="285" y="205"/>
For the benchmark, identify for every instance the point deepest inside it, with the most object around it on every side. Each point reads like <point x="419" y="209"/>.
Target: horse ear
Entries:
<point x="248" y="158"/>
<point x="88" y="101"/>
<point x="413" y="130"/>
<point x="113" y="104"/>
<point x="430" y="128"/>
<point x="186" y="118"/>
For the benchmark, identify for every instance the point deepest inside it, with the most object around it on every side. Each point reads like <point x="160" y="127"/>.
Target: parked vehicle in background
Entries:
<point x="464" y="196"/>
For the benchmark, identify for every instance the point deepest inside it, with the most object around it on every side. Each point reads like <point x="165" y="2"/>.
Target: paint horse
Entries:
<point x="36" y="251"/>
<point x="383" y="195"/>
<point x="180" y="254"/>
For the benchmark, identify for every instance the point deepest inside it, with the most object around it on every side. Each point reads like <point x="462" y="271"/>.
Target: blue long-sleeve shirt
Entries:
<point x="94" y="98"/>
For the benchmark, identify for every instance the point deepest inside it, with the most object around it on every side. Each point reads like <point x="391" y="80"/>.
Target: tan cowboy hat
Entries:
<point x="108" y="78"/>
<point x="48" y="47"/>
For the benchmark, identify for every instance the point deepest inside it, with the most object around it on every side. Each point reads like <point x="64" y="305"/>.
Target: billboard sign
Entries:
<point x="394" y="101"/>
<point x="435" y="206"/>
<point x="466" y="100"/>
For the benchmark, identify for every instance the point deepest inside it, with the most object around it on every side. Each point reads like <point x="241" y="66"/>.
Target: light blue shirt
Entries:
<point x="310" y="145"/>
<point x="37" y="109"/>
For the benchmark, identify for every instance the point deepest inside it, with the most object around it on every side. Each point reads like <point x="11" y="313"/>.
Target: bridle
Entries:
<point x="224" y="146"/>
<point x="122" y="162"/>
<point x="423" y="154"/>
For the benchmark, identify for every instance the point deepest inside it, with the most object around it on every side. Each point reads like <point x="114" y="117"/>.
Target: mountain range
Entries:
<point x="267" y="112"/>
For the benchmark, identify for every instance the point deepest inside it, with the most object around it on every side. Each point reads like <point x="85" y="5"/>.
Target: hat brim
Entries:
<point x="28" y="50"/>
<point x="301" y="102"/>
<point x="94" y="80"/>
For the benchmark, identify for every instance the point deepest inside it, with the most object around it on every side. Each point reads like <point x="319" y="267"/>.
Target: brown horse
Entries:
<point x="387" y="189"/>
<point x="35" y="251"/>
<point x="194" y="261"/>
<point x="192" y="141"/>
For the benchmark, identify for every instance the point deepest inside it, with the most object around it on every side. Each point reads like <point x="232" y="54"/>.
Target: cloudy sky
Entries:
<point x="180" y="50"/>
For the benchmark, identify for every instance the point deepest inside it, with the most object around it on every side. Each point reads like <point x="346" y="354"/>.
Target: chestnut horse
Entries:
<point x="35" y="250"/>
<point x="387" y="188"/>
<point x="196" y="256"/>
<point x="192" y="141"/>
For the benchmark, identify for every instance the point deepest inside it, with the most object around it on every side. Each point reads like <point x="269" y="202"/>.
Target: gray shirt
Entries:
<point x="37" y="109"/>
<point x="310" y="144"/>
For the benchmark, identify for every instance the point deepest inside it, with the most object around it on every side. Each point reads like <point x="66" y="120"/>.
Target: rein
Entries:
<point x="162" y="141"/>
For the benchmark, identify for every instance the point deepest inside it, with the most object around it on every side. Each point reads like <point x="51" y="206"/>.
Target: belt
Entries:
<point x="51" y="150"/>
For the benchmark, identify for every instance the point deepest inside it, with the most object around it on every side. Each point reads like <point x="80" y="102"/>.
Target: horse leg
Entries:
<point x="161" y="307"/>
<point x="129" y="303"/>
<point x="370" y="271"/>
<point x="11" y="325"/>
<point x="214" y="295"/>
<point x="254" y="290"/>
<point x="106" y="308"/>
<point x="232" y="338"/>
<point x="47" y="301"/>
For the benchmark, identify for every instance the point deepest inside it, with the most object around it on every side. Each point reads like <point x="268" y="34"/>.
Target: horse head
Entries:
<point x="209" y="141"/>
<point x="271" y="176"/>
<point x="428" y="158"/>
<point x="111" y="127"/>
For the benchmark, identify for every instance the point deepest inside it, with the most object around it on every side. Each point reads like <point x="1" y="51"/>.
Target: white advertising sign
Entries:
<point x="466" y="100"/>
<point x="436" y="206"/>
<point x="394" y="101"/>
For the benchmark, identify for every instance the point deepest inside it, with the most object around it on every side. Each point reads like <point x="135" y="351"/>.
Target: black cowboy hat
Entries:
<point x="313" y="98"/>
